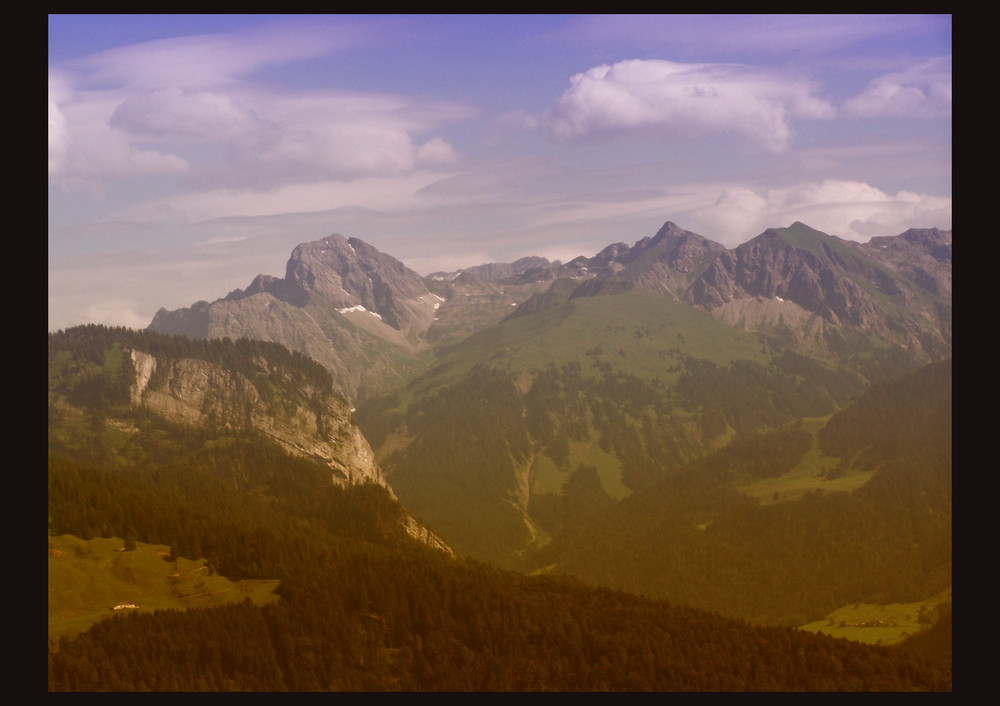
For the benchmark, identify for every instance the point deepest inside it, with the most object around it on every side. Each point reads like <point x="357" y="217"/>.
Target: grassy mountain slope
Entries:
<point x="631" y="383"/>
<point x="87" y="579"/>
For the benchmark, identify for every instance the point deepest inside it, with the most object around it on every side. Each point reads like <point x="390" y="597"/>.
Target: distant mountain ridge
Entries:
<point x="494" y="271"/>
<point x="367" y="317"/>
<point x="340" y="302"/>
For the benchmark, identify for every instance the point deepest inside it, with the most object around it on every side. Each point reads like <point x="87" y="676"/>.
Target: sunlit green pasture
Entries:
<point x="812" y="473"/>
<point x="87" y="579"/>
<point x="550" y="478"/>
<point x="861" y="621"/>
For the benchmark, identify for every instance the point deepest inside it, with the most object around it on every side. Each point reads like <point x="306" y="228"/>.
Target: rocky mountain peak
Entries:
<point x="795" y="264"/>
<point x="801" y="274"/>
<point x="344" y="272"/>
<point x="670" y="230"/>
<point x="922" y="255"/>
<point x="665" y="263"/>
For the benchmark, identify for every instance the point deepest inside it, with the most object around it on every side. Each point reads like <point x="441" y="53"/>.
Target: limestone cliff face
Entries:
<point x="197" y="393"/>
<point x="309" y="422"/>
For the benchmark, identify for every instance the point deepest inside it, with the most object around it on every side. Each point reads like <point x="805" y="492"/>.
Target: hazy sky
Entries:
<point x="189" y="153"/>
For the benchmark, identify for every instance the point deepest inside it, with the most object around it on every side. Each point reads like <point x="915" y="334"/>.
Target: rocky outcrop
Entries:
<point x="887" y="288"/>
<point x="306" y="422"/>
<point x="198" y="393"/>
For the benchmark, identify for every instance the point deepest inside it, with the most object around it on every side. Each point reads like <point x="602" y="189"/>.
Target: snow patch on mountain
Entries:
<point x="358" y="307"/>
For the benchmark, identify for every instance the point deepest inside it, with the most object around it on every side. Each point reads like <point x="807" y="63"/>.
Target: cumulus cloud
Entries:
<point x="84" y="147"/>
<point x="682" y="100"/>
<point x="922" y="91"/>
<point x="851" y="210"/>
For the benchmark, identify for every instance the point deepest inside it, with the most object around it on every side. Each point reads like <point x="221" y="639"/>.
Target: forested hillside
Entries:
<point x="624" y="381"/>
<point x="697" y="539"/>
<point x="364" y="608"/>
<point x="363" y="605"/>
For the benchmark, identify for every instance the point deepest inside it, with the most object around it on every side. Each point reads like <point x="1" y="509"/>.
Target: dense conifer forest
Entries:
<point x="362" y="607"/>
<point x="696" y="539"/>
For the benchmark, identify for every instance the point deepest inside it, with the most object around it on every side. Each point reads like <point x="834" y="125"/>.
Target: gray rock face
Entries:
<point x="341" y="301"/>
<point x="898" y="288"/>
<point x="496" y="271"/>
<point x="197" y="393"/>
<point x="341" y="273"/>
<point x="921" y="255"/>
<point x="669" y="261"/>
<point x="313" y="424"/>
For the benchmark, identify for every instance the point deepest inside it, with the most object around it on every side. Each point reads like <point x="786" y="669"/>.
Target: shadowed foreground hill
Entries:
<point x="364" y="617"/>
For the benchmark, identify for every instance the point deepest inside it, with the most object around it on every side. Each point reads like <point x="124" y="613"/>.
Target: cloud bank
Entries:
<point x="851" y="210"/>
<point x="189" y="107"/>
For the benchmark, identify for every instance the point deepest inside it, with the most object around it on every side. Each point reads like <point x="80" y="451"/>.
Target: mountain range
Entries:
<point x="762" y="433"/>
<point x="636" y="361"/>
<point x="372" y="321"/>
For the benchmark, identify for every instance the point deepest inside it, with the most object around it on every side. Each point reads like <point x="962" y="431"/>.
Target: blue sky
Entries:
<point x="189" y="153"/>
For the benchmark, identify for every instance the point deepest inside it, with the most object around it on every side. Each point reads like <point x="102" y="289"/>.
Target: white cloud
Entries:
<point x="83" y="147"/>
<point x="922" y="91"/>
<point x="172" y="113"/>
<point x="189" y="106"/>
<point x="851" y="210"/>
<point x="683" y="100"/>
<point x="435" y="153"/>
